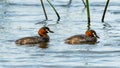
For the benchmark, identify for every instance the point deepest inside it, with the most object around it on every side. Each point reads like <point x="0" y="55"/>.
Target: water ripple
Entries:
<point x="18" y="18"/>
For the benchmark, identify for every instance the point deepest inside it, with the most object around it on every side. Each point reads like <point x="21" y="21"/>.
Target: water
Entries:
<point x="18" y="19"/>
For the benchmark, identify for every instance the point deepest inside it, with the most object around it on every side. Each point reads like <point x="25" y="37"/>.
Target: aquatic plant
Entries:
<point x="54" y="10"/>
<point x="105" y="10"/>
<point x="46" y="17"/>
<point x="88" y="14"/>
<point x="88" y="11"/>
<point x="84" y="3"/>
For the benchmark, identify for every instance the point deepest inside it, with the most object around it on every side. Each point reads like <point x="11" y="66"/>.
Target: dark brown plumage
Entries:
<point x="36" y="39"/>
<point x="89" y="37"/>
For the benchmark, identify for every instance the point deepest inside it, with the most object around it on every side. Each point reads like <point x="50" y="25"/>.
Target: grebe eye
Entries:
<point x="47" y="30"/>
<point x="94" y="34"/>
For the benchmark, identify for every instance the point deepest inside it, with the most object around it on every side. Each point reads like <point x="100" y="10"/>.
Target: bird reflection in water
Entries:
<point x="43" y="45"/>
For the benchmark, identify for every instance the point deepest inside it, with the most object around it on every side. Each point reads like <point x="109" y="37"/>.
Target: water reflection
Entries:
<point x="2" y="9"/>
<point x="19" y="14"/>
<point x="43" y="45"/>
<point x="3" y="4"/>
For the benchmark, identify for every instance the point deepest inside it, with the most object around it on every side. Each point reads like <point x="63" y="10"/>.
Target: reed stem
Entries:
<point x="88" y="25"/>
<point x="88" y="10"/>
<point x="44" y="9"/>
<point x="84" y="3"/>
<point x="105" y="10"/>
<point x="54" y="10"/>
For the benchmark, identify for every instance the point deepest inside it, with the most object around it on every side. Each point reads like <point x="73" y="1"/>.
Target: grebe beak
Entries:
<point x="95" y="35"/>
<point x="49" y="31"/>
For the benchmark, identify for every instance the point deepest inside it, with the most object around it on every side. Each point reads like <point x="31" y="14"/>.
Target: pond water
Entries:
<point x="18" y="19"/>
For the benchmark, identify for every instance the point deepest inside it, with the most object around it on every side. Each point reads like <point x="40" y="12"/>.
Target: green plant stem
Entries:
<point x="88" y="10"/>
<point x="54" y="10"/>
<point x="105" y="10"/>
<point x="88" y="25"/>
<point x="44" y="9"/>
<point x="84" y="3"/>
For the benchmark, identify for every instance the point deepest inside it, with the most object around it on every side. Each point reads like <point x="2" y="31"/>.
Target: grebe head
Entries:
<point x="91" y="33"/>
<point x="43" y="31"/>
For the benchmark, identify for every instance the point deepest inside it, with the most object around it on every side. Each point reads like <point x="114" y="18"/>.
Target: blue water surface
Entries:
<point x="21" y="18"/>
